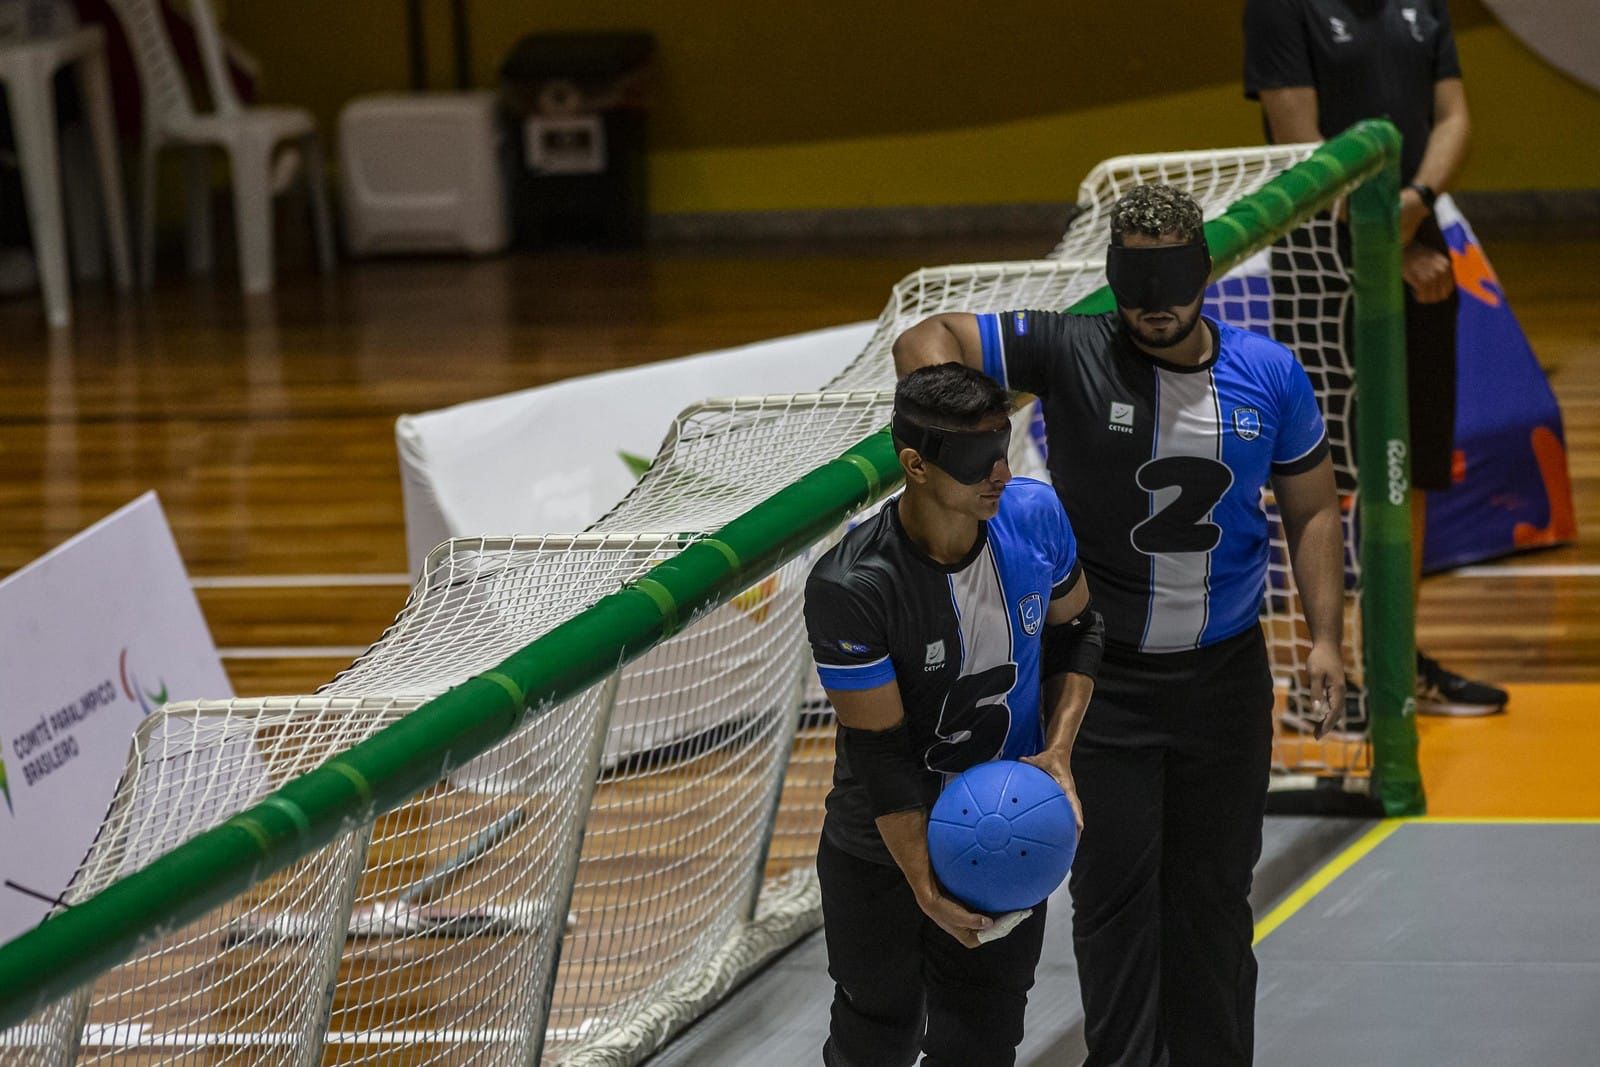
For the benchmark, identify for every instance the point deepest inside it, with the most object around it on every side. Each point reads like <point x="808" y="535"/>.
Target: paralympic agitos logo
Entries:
<point x="146" y="700"/>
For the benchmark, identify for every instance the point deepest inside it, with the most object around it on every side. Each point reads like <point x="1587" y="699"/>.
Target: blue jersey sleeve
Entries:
<point x="849" y="638"/>
<point x="1302" y="438"/>
<point x="1067" y="567"/>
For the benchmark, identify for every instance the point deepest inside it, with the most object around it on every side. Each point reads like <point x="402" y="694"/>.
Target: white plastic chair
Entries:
<point x="250" y="136"/>
<point x="26" y="70"/>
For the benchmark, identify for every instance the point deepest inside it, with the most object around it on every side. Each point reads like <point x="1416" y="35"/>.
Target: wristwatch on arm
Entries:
<point x="1425" y="193"/>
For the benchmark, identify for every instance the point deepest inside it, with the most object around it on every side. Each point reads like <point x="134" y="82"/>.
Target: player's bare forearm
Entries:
<point x="1309" y="505"/>
<point x="1066" y="699"/>
<point x="1317" y="555"/>
<point x="948" y="338"/>
<point x="905" y="833"/>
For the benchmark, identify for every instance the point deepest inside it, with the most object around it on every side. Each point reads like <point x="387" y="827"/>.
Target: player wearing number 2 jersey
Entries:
<point x="1163" y="429"/>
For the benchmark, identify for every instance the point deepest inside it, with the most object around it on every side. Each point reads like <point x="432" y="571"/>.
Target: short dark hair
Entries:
<point x="950" y="395"/>
<point x="1156" y="210"/>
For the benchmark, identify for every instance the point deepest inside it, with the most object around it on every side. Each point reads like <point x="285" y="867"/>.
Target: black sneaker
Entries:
<point x="1442" y="692"/>
<point x="1351" y="726"/>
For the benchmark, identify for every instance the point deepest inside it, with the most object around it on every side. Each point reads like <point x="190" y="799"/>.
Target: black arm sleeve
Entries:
<point x="1276" y="55"/>
<point x="882" y="761"/>
<point x="1073" y="647"/>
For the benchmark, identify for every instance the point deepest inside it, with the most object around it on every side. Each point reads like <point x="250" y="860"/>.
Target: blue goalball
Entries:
<point x="1001" y="836"/>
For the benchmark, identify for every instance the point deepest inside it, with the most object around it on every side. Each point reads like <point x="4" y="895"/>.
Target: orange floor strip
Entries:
<point x="1539" y="760"/>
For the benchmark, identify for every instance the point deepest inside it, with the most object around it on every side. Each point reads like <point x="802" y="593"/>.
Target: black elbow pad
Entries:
<point x="882" y="761"/>
<point x="1073" y="647"/>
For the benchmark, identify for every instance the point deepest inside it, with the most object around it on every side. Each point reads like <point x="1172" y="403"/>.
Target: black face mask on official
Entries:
<point x="1158" y="278"/>
<point x="965" y="455"/>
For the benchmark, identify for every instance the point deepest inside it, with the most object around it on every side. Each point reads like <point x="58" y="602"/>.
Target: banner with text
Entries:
<point x="94" y="636"/>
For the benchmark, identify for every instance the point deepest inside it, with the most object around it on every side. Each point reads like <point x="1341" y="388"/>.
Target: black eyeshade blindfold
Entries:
<point x="1155" y="279"/>
<point x="966" y="455"/>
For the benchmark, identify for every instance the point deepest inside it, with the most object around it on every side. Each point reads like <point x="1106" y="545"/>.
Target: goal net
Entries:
<point x="618" y="861"/>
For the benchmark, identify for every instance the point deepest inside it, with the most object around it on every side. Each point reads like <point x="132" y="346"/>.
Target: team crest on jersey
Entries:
<point x="1030" y="609"/>
<point x="935" y="656"/>
<point x="1019" y="323"/>
<point x="1341" y="32"/>
<point x="1247" y="423"/>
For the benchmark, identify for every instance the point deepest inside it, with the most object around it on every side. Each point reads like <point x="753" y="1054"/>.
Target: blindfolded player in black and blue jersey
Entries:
<point x="951" y="629"/>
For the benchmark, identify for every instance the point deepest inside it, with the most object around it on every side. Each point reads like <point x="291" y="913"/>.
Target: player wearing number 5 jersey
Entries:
<point x="951" y="629"/>
<point x="1163" y="429"/>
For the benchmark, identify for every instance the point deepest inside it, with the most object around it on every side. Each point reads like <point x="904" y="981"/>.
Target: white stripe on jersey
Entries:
<point x="1188" y="423"/>
<point x="982" y="618"/>
<point x="855" y="666"/>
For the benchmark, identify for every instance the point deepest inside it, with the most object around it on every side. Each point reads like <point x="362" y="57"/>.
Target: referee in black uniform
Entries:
<point x="1163" y="428"/>
<point x="952" y="628"/>
<point x="1318" y="67"/>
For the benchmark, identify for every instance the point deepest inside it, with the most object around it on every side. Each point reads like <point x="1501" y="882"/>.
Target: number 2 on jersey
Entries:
<point x="1182" y="525"/>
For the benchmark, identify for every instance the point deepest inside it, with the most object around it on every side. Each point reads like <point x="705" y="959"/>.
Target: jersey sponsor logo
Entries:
<point x="1121" y="419"/>
<point x="1030" y="609"/>
<point x="1247" y="423"/>
<point x="934" y="658"/>
<point x="855" y="648"/>
<point x="1019" y="323"/>
<point x="1410" y="15"/>
<point x="1341" y="32"/>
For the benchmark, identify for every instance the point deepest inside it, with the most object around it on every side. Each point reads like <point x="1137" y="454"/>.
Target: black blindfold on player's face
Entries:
<point x="965" y="455"/>
<point x="1158" y="278"/>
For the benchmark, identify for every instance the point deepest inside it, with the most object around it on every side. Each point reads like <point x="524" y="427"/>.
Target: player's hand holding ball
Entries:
<point x="951" y="917"/>
<point x="1058" y="765"/>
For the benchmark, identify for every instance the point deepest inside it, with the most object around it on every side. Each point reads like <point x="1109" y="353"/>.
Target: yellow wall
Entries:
<point x="1533" y="128"/>
<point x="841" y="104"/>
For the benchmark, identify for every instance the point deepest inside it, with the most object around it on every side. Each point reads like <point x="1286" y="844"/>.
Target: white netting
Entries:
<point x="1215" y="179"/>
<point x="658" y="829"/>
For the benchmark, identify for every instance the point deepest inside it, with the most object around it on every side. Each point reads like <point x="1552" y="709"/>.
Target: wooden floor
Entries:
<point x="267" y="425"/>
